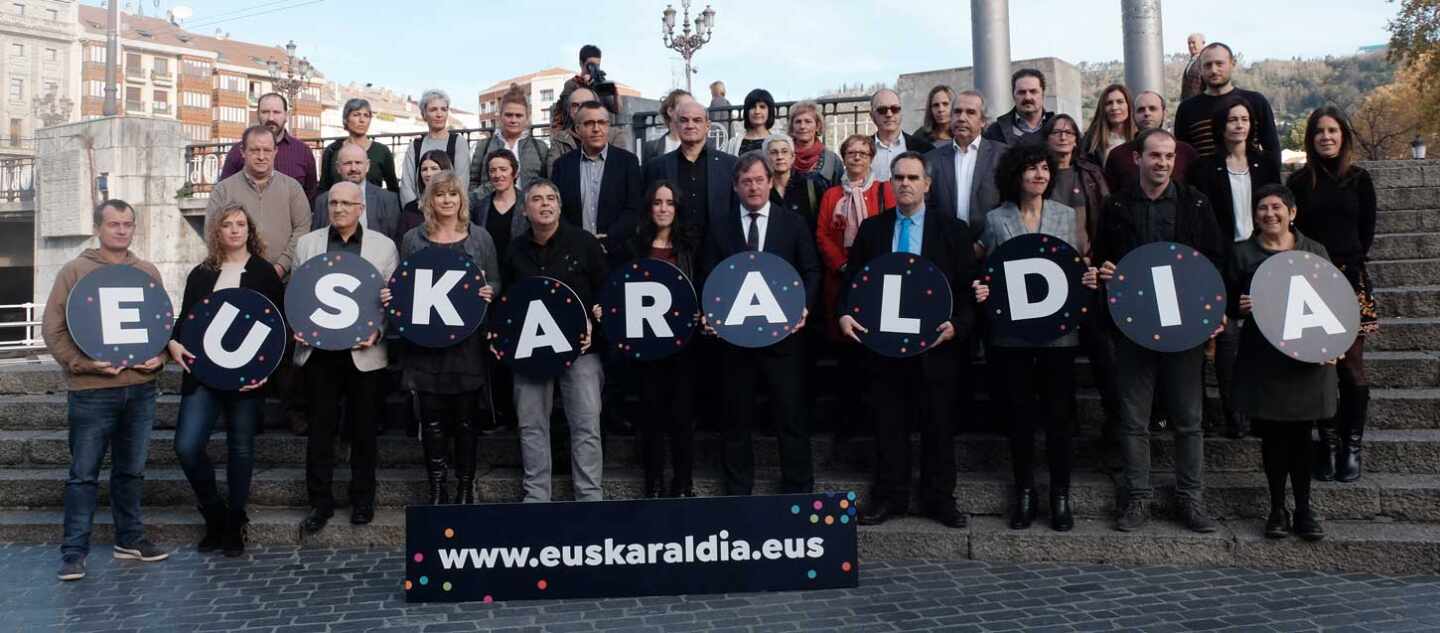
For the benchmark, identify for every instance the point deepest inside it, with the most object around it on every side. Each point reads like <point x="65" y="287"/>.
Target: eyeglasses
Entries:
<point x="345" y="204"/>
<point x="895" y="109"/>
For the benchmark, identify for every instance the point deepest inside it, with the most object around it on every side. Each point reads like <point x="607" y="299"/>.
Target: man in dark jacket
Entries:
<point x="1022" y="123"/>
<point x="1157" y="209"/>
<point x="930" y="377"/>
<point x="600" y="184"/>
<point x="702" y="173"/>
<point x="1192" y="118"/>
<point x="975" y="173"/>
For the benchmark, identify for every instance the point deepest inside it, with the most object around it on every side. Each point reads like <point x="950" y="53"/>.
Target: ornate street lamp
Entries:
<point x="290" y="77"/>
<point x="687" y="43"/>
<point x="1417" y="148"/>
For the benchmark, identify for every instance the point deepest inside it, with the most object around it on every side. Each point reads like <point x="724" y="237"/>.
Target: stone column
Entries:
<point x="144" y="163"/>
<point x="1144" y="51"/>
<point x="990" y="38"/>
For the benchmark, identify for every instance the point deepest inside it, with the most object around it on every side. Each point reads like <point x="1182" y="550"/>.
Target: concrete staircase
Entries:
<point x="1389" y="522"/>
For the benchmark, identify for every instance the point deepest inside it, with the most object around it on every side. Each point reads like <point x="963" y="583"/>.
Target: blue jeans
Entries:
<point x="198" y="412"/>
<point x="100" y="418"/>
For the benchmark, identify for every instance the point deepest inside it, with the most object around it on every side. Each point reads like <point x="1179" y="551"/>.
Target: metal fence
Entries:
<point x="17" y="179"/>
<point x="842" y="117"/>
<point x="25" y="327"/>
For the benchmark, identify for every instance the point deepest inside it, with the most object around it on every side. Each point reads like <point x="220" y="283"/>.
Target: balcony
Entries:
<point x="137" y="107"/>
<point x="162" y="76"/>
<point x="135" y="73"/>
<point x="161" y="107"/>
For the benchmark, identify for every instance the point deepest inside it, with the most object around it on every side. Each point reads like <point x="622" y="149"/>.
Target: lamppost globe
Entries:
<point x="669" y="19"/>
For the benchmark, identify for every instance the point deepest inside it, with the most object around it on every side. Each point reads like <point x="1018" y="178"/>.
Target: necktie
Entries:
<point x="752" y="236"/>
<point x="904" y="245"/>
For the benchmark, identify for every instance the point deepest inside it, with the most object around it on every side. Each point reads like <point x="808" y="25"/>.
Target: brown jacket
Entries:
<point x="57" y="333"/>
<point x="280" y="211"/>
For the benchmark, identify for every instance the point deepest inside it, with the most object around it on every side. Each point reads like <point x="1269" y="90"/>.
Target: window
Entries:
<point x="233" y="115"/>
<point x="17" y="50"/>
<point x="197" y="67"/>
<point x="17" y="131"/>
<point x="162" y="96"/>
<point x="546" y="96"/>
<point x="232" y="83"/>
<point x="95" y="54"/>
<point x="17" y="89"/>
<point x="94" y="88"/>
<point x="310" y="94"/>
<point x="19" y="8"/>
<point x="195" y="99"/>
<point x="162" y="66"/>
<point x="197" y="132"/>
<point x="52" y="54"/>
<point x="132" y="99"/>
<point x="307" y="122"/>
<point x="132" y="65"/>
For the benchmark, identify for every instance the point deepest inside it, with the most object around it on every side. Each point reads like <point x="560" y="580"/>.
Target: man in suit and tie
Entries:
<point x="962" y="172"/>
<point x="751" y="223"/>
<point x="381" y="213"/>
<point x="703" y="173"/>
<point x="912" y="227"/>
<point x="600" y="184"/>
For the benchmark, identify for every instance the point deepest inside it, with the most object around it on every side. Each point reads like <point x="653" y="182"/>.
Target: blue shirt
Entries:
<point x="917" y="231"/>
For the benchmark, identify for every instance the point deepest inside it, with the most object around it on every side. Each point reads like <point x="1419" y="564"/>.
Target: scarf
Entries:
<point x="808" y="158"/>
<point x="852" y="209"/>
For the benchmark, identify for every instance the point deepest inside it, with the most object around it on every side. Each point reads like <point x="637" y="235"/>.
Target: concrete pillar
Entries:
<point x="990" y="38"/>
<point x="144" y="163"/>
<point x="1144" y="50"/>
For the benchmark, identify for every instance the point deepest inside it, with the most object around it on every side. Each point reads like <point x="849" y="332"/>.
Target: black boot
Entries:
<point x="1329" y="446"/>
<point x="1353" y="410"/>
<point x="1062" y="517"/>
<point x="214" y="527"/>
<point x="432" y="439"/>
<point x="466" y="445"/>
<point x="235" y="531"/>
<point x="1023" y="508"/>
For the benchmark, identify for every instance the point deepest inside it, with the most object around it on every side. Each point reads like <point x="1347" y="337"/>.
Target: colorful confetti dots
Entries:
<point x="810" y="574"/>
<point x="542" y="585"/>
<point x="795" y="509"/>
<point x="814" y="518"/>
<point x="817" y="505"/>
<point x="446" y="586"/>
<point x="424" y="580"/>
<point x="845" y="567"/>
<point x="449" y="533"/>
<point x="419" y="558"/>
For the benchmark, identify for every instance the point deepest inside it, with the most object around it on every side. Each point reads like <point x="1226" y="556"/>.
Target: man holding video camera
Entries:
<point x="595" y="79"/>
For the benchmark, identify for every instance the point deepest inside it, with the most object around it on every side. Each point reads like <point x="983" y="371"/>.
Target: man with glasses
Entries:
<point x="276" y="201"/>
<point x="1022" y="124"/>
<point x="600" y="184"/>
<point x="890" y="140"/>
<point x="963" y="170"/>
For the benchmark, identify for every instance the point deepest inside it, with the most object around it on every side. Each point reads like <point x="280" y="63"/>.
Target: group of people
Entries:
<point x="573" y="208"/>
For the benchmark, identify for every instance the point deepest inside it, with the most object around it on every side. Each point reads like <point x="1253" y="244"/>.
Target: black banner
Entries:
<point x="604" y="549"/>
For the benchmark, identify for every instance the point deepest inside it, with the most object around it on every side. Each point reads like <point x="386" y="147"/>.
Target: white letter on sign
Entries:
<point x="637" y="314"/>
<point x="113" y="317"/>
<point x="754" y="299"/>
<point x="1305" y="309"/>
<point x="540" y="330"/>
<point x="346" y="310"/>
<point x="890" y="319"/>
<point x="435" y="295"/>
<point x="1057" y="290"/>
<point x="215" y="349"/>
<point x="1165" y="300"/>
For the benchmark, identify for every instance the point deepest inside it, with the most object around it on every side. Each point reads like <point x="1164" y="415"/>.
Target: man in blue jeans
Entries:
<point x="107" y="406"/>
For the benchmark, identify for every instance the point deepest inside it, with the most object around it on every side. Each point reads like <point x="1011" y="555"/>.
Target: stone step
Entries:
<point x="1374" y="547"/>
<point x="1404" y="272"/>
<point x="1392" y="246"/>
<point x="1402" y="198"/>
<point x="1409" y="301"/>
<point x="1407" y="221"/>
<point x="1396" y="174"/>
<point x="1405" y="334"/>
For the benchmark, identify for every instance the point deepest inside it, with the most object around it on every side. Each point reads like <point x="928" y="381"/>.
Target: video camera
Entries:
<point x="604" y="89"/>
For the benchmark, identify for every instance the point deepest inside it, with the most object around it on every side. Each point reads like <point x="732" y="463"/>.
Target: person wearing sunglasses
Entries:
<point x="890" y="141"/>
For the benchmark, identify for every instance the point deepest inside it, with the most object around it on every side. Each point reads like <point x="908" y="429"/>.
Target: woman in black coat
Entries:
<point x="233" y="262"/>
<point x="1229" y="179"/>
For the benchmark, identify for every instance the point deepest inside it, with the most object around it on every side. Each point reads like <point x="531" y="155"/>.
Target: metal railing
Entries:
<point x="28" y="325"/>
<point x="17" y="179"/>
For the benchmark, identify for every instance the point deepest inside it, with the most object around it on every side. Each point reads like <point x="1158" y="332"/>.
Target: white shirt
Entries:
<point x="880" y="167"/>
<point x="229" y="275"/>
<point x="671" y="144"/>
<point x="965" y="158"/>
<point x="761" y="223"/>
<point x="1240" y="204"/>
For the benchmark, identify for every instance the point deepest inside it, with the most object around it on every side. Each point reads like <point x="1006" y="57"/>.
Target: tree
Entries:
<point x="1415" y="45"/>
<point x="1386" y="121"/>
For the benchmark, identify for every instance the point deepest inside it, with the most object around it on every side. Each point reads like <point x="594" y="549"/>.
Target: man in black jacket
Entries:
<point x="1157" y="209"/>
<point x="703" y="173"/>
<point x="1192" y="118"/>
<point x="752" y="223"/>
<point x="939" y="237"/>
<point x="1023" y="122"/>
<point x="600" y="184"/>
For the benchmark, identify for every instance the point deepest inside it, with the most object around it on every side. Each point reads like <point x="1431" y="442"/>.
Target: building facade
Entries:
<point x="39" y="60"/>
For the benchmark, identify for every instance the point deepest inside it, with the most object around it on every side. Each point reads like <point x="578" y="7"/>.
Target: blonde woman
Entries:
<point x="807" y="129"/>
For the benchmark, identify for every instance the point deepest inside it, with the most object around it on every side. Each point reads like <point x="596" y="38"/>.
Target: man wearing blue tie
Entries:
<point x="929" y="377"/>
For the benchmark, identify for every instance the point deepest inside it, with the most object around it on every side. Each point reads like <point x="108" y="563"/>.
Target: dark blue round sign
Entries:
<point x="1036" y="293"/>
<point x="754" y="299"/>
<point x="901" y="298"/>
<point x="119" y="315"/>
<point x="1166" y="297"/>
<point x="435" y="297"/>
<point x="237" y="337"/>
<point x="649" y="309"/>
<point x="333" y="301"/>
<point x="537" y="327"/>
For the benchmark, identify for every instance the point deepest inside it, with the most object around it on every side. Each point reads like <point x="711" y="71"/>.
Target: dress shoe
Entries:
<point x="362" y="514"/>
<point x="1062" y="517"/>
<point x="880" y="512"/>
<point x="1023" y="508"/>
<point x="316" y="520"/>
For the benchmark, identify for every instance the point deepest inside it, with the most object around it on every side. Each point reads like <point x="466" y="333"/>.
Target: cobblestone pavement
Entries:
<point x="287" y="590"/>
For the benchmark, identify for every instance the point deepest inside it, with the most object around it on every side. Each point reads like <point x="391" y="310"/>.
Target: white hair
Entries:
<point x="431" y="95"/>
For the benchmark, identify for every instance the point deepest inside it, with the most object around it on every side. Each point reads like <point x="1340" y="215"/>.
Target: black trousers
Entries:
<point x="332" y="377"/>
<point x="781" y="368"/>
<point x="667" y="404"/>
<point x="896" y="385"/>
<point x="1040" y="387"/>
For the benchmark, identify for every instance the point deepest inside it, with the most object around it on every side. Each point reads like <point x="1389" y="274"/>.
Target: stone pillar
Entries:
<point x="1144" y="51"/>
<point x="144" y="163"/>
<point x="990" y="38"/>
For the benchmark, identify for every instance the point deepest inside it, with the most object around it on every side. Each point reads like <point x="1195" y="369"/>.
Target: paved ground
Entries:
<point x="286" y="590"/>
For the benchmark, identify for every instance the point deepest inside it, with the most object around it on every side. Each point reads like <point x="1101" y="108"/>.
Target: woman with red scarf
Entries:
<point x="807" y="128"/>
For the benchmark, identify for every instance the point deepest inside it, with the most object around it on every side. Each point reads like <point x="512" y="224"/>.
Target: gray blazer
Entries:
<point x="382" y="212"/>
<point x="984" y="195"/>
<point x="480" y="214"/>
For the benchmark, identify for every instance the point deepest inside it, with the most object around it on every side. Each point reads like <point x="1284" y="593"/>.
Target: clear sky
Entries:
<point x="794" y="49"/>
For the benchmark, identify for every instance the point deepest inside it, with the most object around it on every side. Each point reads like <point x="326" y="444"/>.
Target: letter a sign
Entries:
<point x="237" y="337"/>
<point x="435" y="297"/>
<point x="901" y="298"/>
<point x="1166" y="297"/>
<point x="537" y="327"/>
<point x="1304" y="306"/>
<point x="649" y="309"/>
<point x="754" y="299"/>
<point x="1035" y="290"/>
<point x="119" y="315"/>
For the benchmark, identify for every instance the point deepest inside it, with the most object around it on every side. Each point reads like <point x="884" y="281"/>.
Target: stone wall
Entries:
<point x="144" y="163"/>
<point x="1062" y="94"/>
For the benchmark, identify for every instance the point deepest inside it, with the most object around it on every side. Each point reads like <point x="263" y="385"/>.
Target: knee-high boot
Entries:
<point x="466" y="444"/>
<point x="432" y="439"/>
<point x="1354" y="409"/>
<point x="1329" y="432"/>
